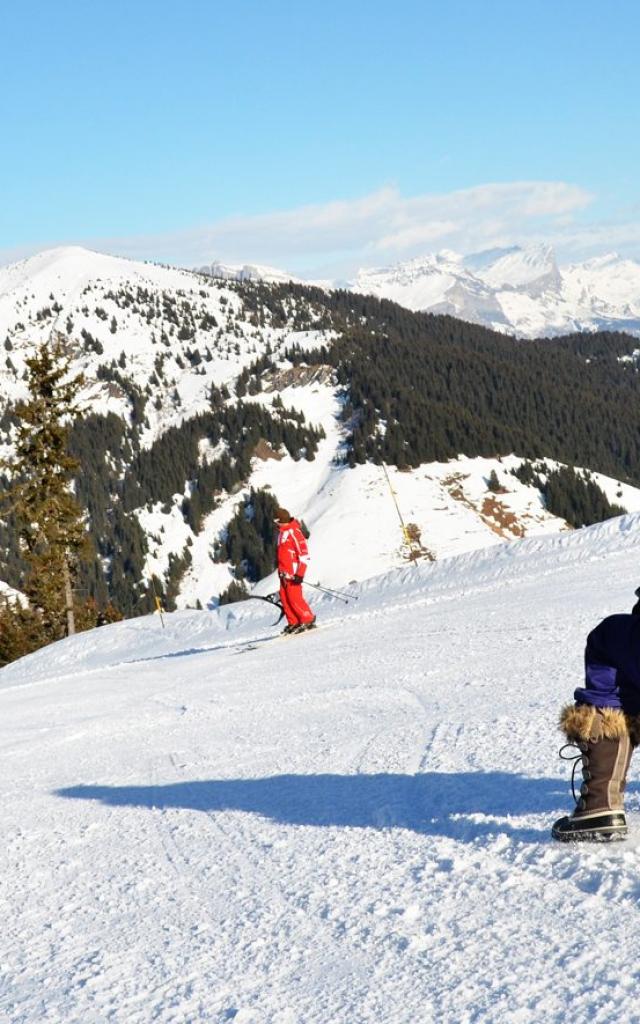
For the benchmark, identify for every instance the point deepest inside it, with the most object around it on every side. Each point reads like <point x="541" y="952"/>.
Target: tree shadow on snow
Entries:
<point x="464" y="805"/>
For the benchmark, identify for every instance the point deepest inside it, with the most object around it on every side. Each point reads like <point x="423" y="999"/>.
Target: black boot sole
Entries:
<point x="603" y="829"/>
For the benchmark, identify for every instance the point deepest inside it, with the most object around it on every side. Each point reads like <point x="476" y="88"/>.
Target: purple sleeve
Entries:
<point x="601" y="688"/>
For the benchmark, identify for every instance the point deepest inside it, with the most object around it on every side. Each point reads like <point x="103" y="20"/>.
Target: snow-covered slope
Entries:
<point x="522" y="291"/>
<point x="133" y="313"/>
<point x="533" y="271"/>
<point x="355" y="529"/>
<point x="609" y="284"/>
<point x="347" y="826"/>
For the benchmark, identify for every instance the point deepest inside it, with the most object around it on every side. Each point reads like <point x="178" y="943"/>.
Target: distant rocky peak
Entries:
<point x="533" y="271"/>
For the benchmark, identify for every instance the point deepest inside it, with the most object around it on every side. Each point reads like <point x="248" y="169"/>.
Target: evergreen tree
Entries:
<point x="577" y="498"/>
<point x="249" y="541"/>
<point x="21" y="631"/>
<point x="234" y="592"/>
<point x="50" y="525"/>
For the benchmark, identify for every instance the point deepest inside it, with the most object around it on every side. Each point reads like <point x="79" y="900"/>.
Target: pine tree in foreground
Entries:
<point x="50" y="523"/>
<point x="21" y="630"/>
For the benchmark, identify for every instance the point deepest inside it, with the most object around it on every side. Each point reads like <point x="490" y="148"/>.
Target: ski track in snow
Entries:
<point x="350" y="826"/>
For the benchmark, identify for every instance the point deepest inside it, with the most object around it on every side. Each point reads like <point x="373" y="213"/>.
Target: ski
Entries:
<point x="254" y="645"/>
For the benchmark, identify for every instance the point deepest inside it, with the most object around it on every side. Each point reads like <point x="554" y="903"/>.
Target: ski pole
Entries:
<point x="336" y="593"/>
<point x="271" y="599"/>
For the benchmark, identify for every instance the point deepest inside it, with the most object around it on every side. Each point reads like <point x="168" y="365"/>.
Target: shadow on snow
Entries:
<point x="464" y="805"/>
<point x="227" y="645"/>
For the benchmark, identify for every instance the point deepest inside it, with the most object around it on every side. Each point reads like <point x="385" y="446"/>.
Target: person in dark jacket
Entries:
<point x="604" y="724"/>
<point x="293" y="558"/>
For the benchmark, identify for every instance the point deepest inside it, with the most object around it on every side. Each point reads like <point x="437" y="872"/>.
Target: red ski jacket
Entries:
<point x="293" y="553"/>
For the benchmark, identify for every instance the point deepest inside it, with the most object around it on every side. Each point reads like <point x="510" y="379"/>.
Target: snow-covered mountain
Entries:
<point x="439" y="283"/>
<point x="201" y="824"/>
<point x="152" y="341"/>
<point x="521" y="291"/>
<point x="245" y="272"/>
<point x="111" y="308"/>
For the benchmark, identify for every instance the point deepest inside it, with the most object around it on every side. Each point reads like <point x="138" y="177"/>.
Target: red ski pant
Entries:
<point x="295" y="607"/>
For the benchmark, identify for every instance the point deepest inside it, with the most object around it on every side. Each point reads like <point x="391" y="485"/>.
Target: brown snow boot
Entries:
<point x="602" y="736"/>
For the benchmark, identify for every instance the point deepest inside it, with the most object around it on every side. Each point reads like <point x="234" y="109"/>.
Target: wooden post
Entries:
<point x="158" y="602"/>
<point x="406" y="536"/>
<point x="68" y="597"/>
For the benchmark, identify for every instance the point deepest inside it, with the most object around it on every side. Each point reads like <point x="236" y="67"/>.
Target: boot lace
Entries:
<point x="580" y="763"/>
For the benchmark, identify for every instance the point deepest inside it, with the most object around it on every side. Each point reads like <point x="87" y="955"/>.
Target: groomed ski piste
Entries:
<point x="208" y="824"/>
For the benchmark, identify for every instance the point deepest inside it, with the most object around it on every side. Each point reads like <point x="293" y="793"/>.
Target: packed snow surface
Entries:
<point x="206" y="823"/>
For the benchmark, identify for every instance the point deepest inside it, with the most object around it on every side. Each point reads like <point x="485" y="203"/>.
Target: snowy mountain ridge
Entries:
<point x="519" y="290"/>
<point x="91" y="289"/>
<point x="245" y="272"/>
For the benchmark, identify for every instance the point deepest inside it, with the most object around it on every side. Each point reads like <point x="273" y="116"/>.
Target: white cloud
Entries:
<point x="385" y="226"/>
<point x="382" y="225"/>
<point x="481" y="217"/>
<point x="599" y="238"/>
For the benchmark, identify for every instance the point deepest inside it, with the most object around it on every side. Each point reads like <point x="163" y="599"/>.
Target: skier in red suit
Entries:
<point x="293" y="558"/>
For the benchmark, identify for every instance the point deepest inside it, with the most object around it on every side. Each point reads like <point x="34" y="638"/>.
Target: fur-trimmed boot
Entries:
<point x="602" y="735"/>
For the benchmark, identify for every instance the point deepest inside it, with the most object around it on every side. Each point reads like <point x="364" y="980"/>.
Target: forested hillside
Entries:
<point x="421" y="388"/>
<point x="183" y="401"/>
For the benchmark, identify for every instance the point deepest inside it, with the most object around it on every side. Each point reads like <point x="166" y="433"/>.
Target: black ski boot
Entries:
<point x="304" y="627"/>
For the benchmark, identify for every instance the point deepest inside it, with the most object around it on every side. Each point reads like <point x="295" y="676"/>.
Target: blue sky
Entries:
<point x="319" y="136"/>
